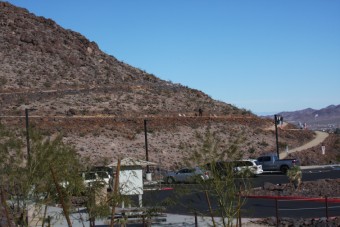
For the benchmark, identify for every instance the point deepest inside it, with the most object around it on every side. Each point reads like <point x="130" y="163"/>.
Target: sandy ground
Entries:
<point x="172" y="220"/>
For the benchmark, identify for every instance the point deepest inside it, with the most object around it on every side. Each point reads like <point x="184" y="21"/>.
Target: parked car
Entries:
<point x="247" y="166"/>
<point x="187" y="175"/>
<point x="96" y="177"/>
<point x="107" y="169"/>
<point x="273" y="163"/>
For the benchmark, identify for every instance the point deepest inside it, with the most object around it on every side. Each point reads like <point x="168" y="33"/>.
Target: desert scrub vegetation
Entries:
<point x="49" y="175"/>
<point x="251" y="150"/>
<point x="221" y="187"/>
<point x="263" y="143"/>
<point x="282" y="145"/>
<point x="27" y="182"/>
<point x="3" y="81"/>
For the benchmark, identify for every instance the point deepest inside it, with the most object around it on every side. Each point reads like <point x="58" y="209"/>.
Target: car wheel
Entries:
<point x="170" y="180"/>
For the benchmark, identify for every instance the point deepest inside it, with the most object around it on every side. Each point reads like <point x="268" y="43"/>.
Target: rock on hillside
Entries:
<point x="99" y="103"/>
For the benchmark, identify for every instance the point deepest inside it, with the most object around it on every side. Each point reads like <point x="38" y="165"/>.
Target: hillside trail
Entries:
<point x="319" y="138"/>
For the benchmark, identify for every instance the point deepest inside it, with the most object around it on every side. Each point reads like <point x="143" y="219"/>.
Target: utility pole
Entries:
<point x="146" y="145"/>
<point x="276" y="120"/>
<point x="27" y="133"/>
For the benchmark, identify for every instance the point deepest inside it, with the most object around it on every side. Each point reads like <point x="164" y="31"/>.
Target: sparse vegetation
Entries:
<point x="33" y="181"/>
<point x="251" y="150"/>
<point x="3" y="81"/>
<point x="295" y="176"/>
<point x="263" y="143"/>
<point x="225" y="189"/>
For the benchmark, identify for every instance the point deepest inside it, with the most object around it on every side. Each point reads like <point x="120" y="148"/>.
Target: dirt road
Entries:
<point x="319" y="138"/>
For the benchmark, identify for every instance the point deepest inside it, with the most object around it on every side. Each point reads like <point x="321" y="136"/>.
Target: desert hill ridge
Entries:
<point x="327" y="118"/>
<point x="99" y="103"/>
<point x="37" y="55"/>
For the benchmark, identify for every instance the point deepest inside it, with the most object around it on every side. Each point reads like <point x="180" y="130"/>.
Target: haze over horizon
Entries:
<point x="263" y="56"/>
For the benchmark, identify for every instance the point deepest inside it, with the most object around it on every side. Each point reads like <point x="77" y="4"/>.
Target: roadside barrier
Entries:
<point x="278" y="199"/>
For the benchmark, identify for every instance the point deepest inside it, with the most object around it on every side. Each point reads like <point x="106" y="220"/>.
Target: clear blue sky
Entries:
<point x="261" y="55"/>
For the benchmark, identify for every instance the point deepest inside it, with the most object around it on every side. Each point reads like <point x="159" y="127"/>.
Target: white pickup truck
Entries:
<point x="273" y="163"/>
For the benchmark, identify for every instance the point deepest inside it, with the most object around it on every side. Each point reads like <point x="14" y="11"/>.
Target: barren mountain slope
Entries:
<point x="99" y="103"/>
<point x="53" y="69"/>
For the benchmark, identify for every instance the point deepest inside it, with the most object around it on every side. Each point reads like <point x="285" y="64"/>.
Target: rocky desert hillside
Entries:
<point x="43" y="63"/>
<point x="99" y="103"/>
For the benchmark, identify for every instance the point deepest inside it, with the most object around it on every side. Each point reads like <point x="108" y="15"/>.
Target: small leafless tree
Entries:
<point x="224" y="186"/>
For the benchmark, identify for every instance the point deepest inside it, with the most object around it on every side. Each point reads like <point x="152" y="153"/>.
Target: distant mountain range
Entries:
<point x="327" y="118"/>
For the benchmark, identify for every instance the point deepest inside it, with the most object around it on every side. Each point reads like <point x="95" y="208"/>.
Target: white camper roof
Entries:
<point x="132" y="162"/>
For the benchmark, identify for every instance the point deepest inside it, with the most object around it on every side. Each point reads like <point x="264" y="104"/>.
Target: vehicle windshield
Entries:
<point x="90" y="176"/>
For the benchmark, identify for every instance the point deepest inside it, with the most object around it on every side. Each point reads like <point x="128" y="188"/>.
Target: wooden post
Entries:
<point x="326" y="201"/>
<point x="196" y="223"/>
<point x="115" y="193"/>
<point x="144" y="222"/>
<point x="277" y="212"/>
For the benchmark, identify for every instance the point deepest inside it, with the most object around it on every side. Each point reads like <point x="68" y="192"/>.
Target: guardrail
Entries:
<point x="326" y="200"/>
